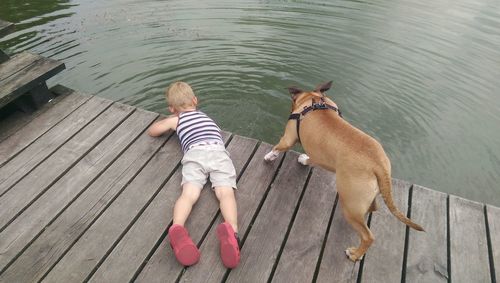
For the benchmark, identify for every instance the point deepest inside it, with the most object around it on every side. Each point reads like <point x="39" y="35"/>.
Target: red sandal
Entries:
<point x="184" y="249"/>
<point x="229" y="249"/>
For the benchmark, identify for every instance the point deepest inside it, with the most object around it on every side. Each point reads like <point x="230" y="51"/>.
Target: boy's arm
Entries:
<point x="163" y="126"/>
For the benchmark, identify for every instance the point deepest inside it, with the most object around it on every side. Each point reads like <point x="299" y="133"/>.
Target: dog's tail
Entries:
<point x="385" y="186"/>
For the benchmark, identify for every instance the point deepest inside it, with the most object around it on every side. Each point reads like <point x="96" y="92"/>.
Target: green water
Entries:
<point x="422" y="77"/>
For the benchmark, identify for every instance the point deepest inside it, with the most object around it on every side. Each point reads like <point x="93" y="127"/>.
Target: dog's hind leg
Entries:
<point x="357" y="222"/>
<point x="304" y="159"/>
<point x="357" y="194"/>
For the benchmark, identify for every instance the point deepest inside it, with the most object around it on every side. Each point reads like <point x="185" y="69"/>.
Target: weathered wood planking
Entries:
<point x="17" y="64"/>
<point x="61" y="234"/>
<point x="494" y="225"/>
<point x="468" y="241"/>
<point x="302" y="250"/>
<point x="427" y="259"/>
<point x="160" y="264"/>
<point x="384" y="259"/>
<point x="44" y="175"/>
<point x="87" y="252"/>
<point x="5" y="28"/>
<point x="335" y="267"/>
<point x="102" y="205"/>
<point x="28" y="79"/>
<point x="251" y="192"/>
<point x="263" y="242"/>
<point x="13" y="120"/>
<point x="43" y="147"/>
<point x="203" y="212"/>
<point x="32" y="221"/>
<point x="252" y="183"/>
<point x="131" y="252"/>
<point x="26" y="135"/>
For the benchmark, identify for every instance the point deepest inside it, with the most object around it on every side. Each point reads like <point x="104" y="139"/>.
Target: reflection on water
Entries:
<point x="28" y="14"/>
<point x="420" y="76"/>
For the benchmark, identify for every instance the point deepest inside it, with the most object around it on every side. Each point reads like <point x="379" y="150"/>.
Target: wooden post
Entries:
<point x="40" y="95"/>
<point x="34" y="99"/>
<point x="3" y="56"/>
<point x="5" y="28"/>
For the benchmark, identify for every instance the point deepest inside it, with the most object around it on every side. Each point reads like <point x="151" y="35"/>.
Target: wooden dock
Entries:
<point x="87" y="195"/>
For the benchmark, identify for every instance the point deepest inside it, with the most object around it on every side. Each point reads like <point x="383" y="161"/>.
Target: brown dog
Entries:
<point x="362" y="167"/>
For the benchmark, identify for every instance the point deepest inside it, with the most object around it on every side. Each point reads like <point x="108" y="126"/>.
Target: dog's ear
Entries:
<point x="323" y="87"/>
<point x="294" y="92"/>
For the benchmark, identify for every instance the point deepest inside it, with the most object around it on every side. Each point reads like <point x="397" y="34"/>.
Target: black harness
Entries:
<point x="314" y="106"/>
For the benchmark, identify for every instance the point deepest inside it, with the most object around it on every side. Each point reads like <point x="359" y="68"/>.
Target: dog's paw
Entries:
<point x="271" y="156"/>
<point x="303" y="159"/>
<point x="350" y="253"/>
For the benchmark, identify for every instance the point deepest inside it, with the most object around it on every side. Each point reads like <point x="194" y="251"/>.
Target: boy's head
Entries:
<point x="180" y="97"/>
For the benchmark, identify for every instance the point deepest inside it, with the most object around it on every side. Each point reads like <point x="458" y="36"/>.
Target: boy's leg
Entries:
<point x="183" y="246"/>
<point x="227" y="203"/>
<point x="184" y="204"/>
<point x="227" y="231"/>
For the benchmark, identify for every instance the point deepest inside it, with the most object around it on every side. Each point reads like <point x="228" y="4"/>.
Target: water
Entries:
<point x="422" y="77"/>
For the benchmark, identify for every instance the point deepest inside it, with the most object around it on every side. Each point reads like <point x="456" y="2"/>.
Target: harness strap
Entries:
<point x="315" y="106"/>
<point x="296" y="116"/>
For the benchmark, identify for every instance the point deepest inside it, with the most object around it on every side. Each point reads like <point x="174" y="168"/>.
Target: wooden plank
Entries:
<point x="468" y="242"/>
<point x="263" y="242"/>
<point x="308" y="231"/>
<point x="36" y="125"/>
<point x="36" y="128"/>
<point x="42" y="177"/>
<point x="5" y="28"/>
<point x="334" y="263"/>
<point x="44" y="252"/>
<point x="31" y="222"/>
<point x="31" y="76"/>
<point x="88" y="251"/>
<point x="427" y="259"/>
<point x="17" y="64"/>
<point x="75" y="265"/>
<point x="43" y="147"/>
<point x="384" y="260"/>
<point x="133" y="249"/>
<point x="251" y="190"/>
<point x="494" y="229"/>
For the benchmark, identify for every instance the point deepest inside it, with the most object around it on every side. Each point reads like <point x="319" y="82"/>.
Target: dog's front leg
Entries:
<point x="282" y="146"/>
<point x="288" y="140"/>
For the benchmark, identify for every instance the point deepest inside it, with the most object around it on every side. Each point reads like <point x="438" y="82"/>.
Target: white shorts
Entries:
<point x="205" y="161"/>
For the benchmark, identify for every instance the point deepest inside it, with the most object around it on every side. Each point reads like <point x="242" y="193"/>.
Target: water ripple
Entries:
<point x="420" y="76"/>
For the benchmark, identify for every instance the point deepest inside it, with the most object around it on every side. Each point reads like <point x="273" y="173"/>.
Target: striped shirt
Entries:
<point x="195" y="127"/>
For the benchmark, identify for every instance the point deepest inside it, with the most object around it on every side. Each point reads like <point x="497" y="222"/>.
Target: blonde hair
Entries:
<point x="180" y="95"/>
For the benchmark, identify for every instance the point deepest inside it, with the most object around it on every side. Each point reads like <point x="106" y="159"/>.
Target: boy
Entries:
<point x="204" y="155"/>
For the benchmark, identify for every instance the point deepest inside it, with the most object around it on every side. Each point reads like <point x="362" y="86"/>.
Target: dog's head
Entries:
<point x="299" y="97"/>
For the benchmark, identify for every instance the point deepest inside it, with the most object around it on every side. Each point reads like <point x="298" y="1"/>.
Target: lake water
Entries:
<point x="422" y="77"/>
